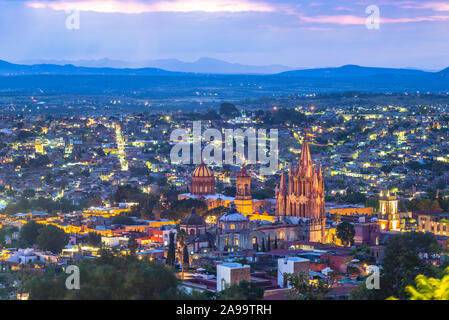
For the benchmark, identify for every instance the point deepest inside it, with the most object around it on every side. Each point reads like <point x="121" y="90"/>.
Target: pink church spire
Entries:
<point x="306" y="159"/>
<point x="283" y="185"/>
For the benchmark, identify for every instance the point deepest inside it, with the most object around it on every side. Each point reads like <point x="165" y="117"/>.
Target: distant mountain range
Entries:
<point x="215" y="78"/>
<point x="11" y="69"/>
<point x="350" y="71"/>
<point x="203" y="65"/>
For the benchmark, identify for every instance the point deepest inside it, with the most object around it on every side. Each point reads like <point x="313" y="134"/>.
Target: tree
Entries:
<point x="303" y="289"/>
<point x="95" y="202"/>
<point x="263" y="249"/>
<point x="441" y="184"/>
<point x="29" y="193"/>
<point x="123" y="220"/>
<point x="185" y="258"/>
<point x="145" y="207"/>
<point x="262" y="194"/>
<point x="6" y="231"/>
<point x="243" y="291"/>
<point x="429" y="288"/>
<point x="127" y="193"/>
<point x="157" y="211"/>
<point x="355" y="198"/>
<point x="109" y="277"/>
<point x="171" y="250"/>
<point x="372" y="202"/>
<point x="29" y="233"/>
<point x="402" y="263"/>
<point x="182" y="238"/>
<point x="132" y="245"/>
<point x="269" y="244"/>
<point x="42" y="204"/>
<point x="181" y="208"/>
<point x="275" y="242"/>
<point x="345" y="232"/>
<point x="93" y="239"/>
<point x="229" y="110"/>
<point x="52" y="238"/>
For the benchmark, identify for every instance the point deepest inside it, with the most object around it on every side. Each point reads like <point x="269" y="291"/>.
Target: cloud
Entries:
<point x="435" y="6"/>
<point x="356" y="20"/>
<point x="336" y="19"/>
<point x="136" y="6"/>
<point x="324" y="16"/>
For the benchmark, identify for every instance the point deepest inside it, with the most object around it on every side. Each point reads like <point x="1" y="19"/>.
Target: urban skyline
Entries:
<point x="248" y="175"/>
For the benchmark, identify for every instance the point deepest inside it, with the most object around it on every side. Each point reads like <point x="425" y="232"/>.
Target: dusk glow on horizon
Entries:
<point x="301" y="34"/>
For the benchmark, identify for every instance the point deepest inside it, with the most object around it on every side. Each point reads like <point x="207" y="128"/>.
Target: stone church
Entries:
<point x="301" y="199"/>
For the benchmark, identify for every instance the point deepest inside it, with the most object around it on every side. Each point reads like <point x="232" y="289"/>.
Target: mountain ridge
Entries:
<point x="352" y="71"/>
<point x="68" y="78"/>
<point x="203" y="66"/>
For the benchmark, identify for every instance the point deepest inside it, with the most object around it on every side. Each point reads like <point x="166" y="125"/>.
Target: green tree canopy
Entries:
<point x="429" y="288"/>
<point x="262" y="194"/>
<point x="123" y="220"/>
<point x="171" y="250"/>
<point x="243" y="291"/>
<point x="345" y="232"/>
<point x="303" y="289"/>
<point x="402" y="263"/>
<point x="29" y="193"/>
<point x="127" y="193"/>
<point x="109" y="277"/>
<point x="52" y="238"/>
<point x="229" y="110"/>
<point x="29" y="233"/>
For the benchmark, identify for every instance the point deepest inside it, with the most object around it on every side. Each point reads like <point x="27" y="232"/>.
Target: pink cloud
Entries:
<point x="436" y="6"/>
<point x="356" y="20"/>
<point x="338" y="19"/>
<point x="136" y="7"/>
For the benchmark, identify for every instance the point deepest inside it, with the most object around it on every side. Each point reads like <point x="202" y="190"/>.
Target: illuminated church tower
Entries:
<point x="39" y="146"/>
<point x="388" y="212"/>
<point x="243" y="199"/>
<point x="303" y="197"/>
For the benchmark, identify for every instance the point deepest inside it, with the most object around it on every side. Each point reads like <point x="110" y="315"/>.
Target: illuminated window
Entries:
<point x="236" y="242"/>
<point x="232" y="227"/>
<point x="255" y="240"/>
<point x="282" y="235"/>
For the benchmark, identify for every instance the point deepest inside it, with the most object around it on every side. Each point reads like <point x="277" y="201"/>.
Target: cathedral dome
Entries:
<point x="203" y="181"/>
<point x="233" y="216"/>
<point x="202" y="171"/>
<point x="192" y="219"/>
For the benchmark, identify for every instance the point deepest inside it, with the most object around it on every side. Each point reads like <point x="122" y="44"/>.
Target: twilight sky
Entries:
<point x="300" y="33"/>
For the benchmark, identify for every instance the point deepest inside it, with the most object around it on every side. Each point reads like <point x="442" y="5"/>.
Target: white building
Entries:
<point x="114" y="241"/>
<point x="231" y="273"/>
<point x="291" y="265"/>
